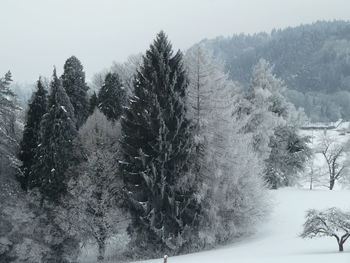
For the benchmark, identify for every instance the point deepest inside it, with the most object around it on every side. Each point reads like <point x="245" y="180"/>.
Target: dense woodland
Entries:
<point x="313" y="60"/>
<point x="164" y="150"/>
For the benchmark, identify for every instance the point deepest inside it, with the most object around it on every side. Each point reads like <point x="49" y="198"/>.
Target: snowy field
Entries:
<point x="278" y="241"/>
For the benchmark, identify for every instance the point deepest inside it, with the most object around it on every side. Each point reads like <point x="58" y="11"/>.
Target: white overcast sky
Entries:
<point x="37" y="34"/>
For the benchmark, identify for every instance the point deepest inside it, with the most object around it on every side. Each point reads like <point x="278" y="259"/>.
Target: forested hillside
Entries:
<point x="313" y="60"/>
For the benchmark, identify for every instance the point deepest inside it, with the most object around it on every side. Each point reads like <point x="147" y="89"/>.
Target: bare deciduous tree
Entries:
<point x="333" y="154"/>
<point x="330" y="223"/>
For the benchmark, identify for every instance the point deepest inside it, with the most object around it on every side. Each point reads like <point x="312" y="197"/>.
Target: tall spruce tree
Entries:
<point x="7" y="110"/>
<point x="8" y="132"/>
<point x="73" y="80"/>
<point x="112" y="97"/>
<point x="36" y="109"/>
<point x="55" y="151"/>
<point x="156" y="145"/>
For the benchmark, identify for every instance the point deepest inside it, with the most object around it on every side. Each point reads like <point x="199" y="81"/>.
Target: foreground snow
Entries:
<point x="277" y="240"/>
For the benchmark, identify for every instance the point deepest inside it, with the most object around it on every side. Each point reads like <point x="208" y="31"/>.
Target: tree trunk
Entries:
<point x="101" y="250"/>
<point x="331" y="184"/>
<point x="341" y="249"/>
<point x="311" y="181"/>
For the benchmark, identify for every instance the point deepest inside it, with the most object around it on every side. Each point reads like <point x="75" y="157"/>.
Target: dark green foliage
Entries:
<point x="9" y="131"/>
<point x="7" y="106"/>
<point x="156" y="147"/>
<point x="55" y="151"/>
<point x="36" y="109"/>
<point x="288" y="156"/>
<point x="73" y="80"/>
<point x="112" y="97"/>
<point x="93" y="103"/>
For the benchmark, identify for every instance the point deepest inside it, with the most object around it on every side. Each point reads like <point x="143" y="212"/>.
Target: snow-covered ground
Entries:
<point x="277" y="240"/>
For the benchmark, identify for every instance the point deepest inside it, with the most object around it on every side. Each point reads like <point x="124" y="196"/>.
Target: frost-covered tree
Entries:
<point x="226" y="170"/>
<point x="54" y="152"/>
<point x="29" y="229"/>
<point x="112" y="97"/>
<point x="333" y="154"/>
<point x="48" y="178"/>
<point x="289" y="155"/>
<point x="95" y="193"/>
<point x="37" y="107"/>
<point x="127" y="71"/>
<point x="156" y="146"/>
<point x="30" y="233"/>
<point x="331" y="222"/>
<point x="204" y="78"/>
<point x="253" y="110"/>
<point x="73" y="80"/>
<point x="265" y="115"/>
<point x="98" y="79"/>
<point x="9" y="131"/>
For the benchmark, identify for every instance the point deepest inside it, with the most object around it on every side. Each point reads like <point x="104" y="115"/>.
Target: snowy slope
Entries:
<point x="277" y="240"/>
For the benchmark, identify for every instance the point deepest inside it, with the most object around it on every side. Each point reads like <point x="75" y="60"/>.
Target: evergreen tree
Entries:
<point x="112" y="97"/>
<point x="156" y="146"/>
<point x="93" y="103"/>
<point x="55" y="151"/>
<point x="73" y="80"/>
<point x="288" y="156"/>
<point x="7" y="109"/>
<point x="7" y="105"/>
<point x="8" y="128"/>
<point x="36" y="109"/>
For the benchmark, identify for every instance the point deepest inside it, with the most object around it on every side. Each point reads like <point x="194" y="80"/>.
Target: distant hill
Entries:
<point x="313" y="60"/>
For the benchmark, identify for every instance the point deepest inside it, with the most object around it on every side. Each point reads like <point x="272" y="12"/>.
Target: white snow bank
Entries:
<point x="278" y="240"/>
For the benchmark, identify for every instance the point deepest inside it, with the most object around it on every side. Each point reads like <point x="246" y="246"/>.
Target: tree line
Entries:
<point x="312" y="59"/>
<point x="175" y="154"/>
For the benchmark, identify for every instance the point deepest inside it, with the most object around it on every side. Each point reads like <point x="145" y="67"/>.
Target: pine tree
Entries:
<point x="36" y="109"/>
<point x="288" y="156"/>
<point x="8" y="131"/>
<point x="93" y="103"/>
<point x="55" y="151"/>
<point x="7" y="108"/>
<point x="156" y="145"/>
<point x="73" y="80"/>
<point x="112" y="97"/>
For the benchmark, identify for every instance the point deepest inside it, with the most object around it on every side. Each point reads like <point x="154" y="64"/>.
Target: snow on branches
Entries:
<point x="331" y="222"/>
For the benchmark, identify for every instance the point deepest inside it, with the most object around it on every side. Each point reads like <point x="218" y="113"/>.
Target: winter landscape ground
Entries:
<point x="277" y="239"/>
